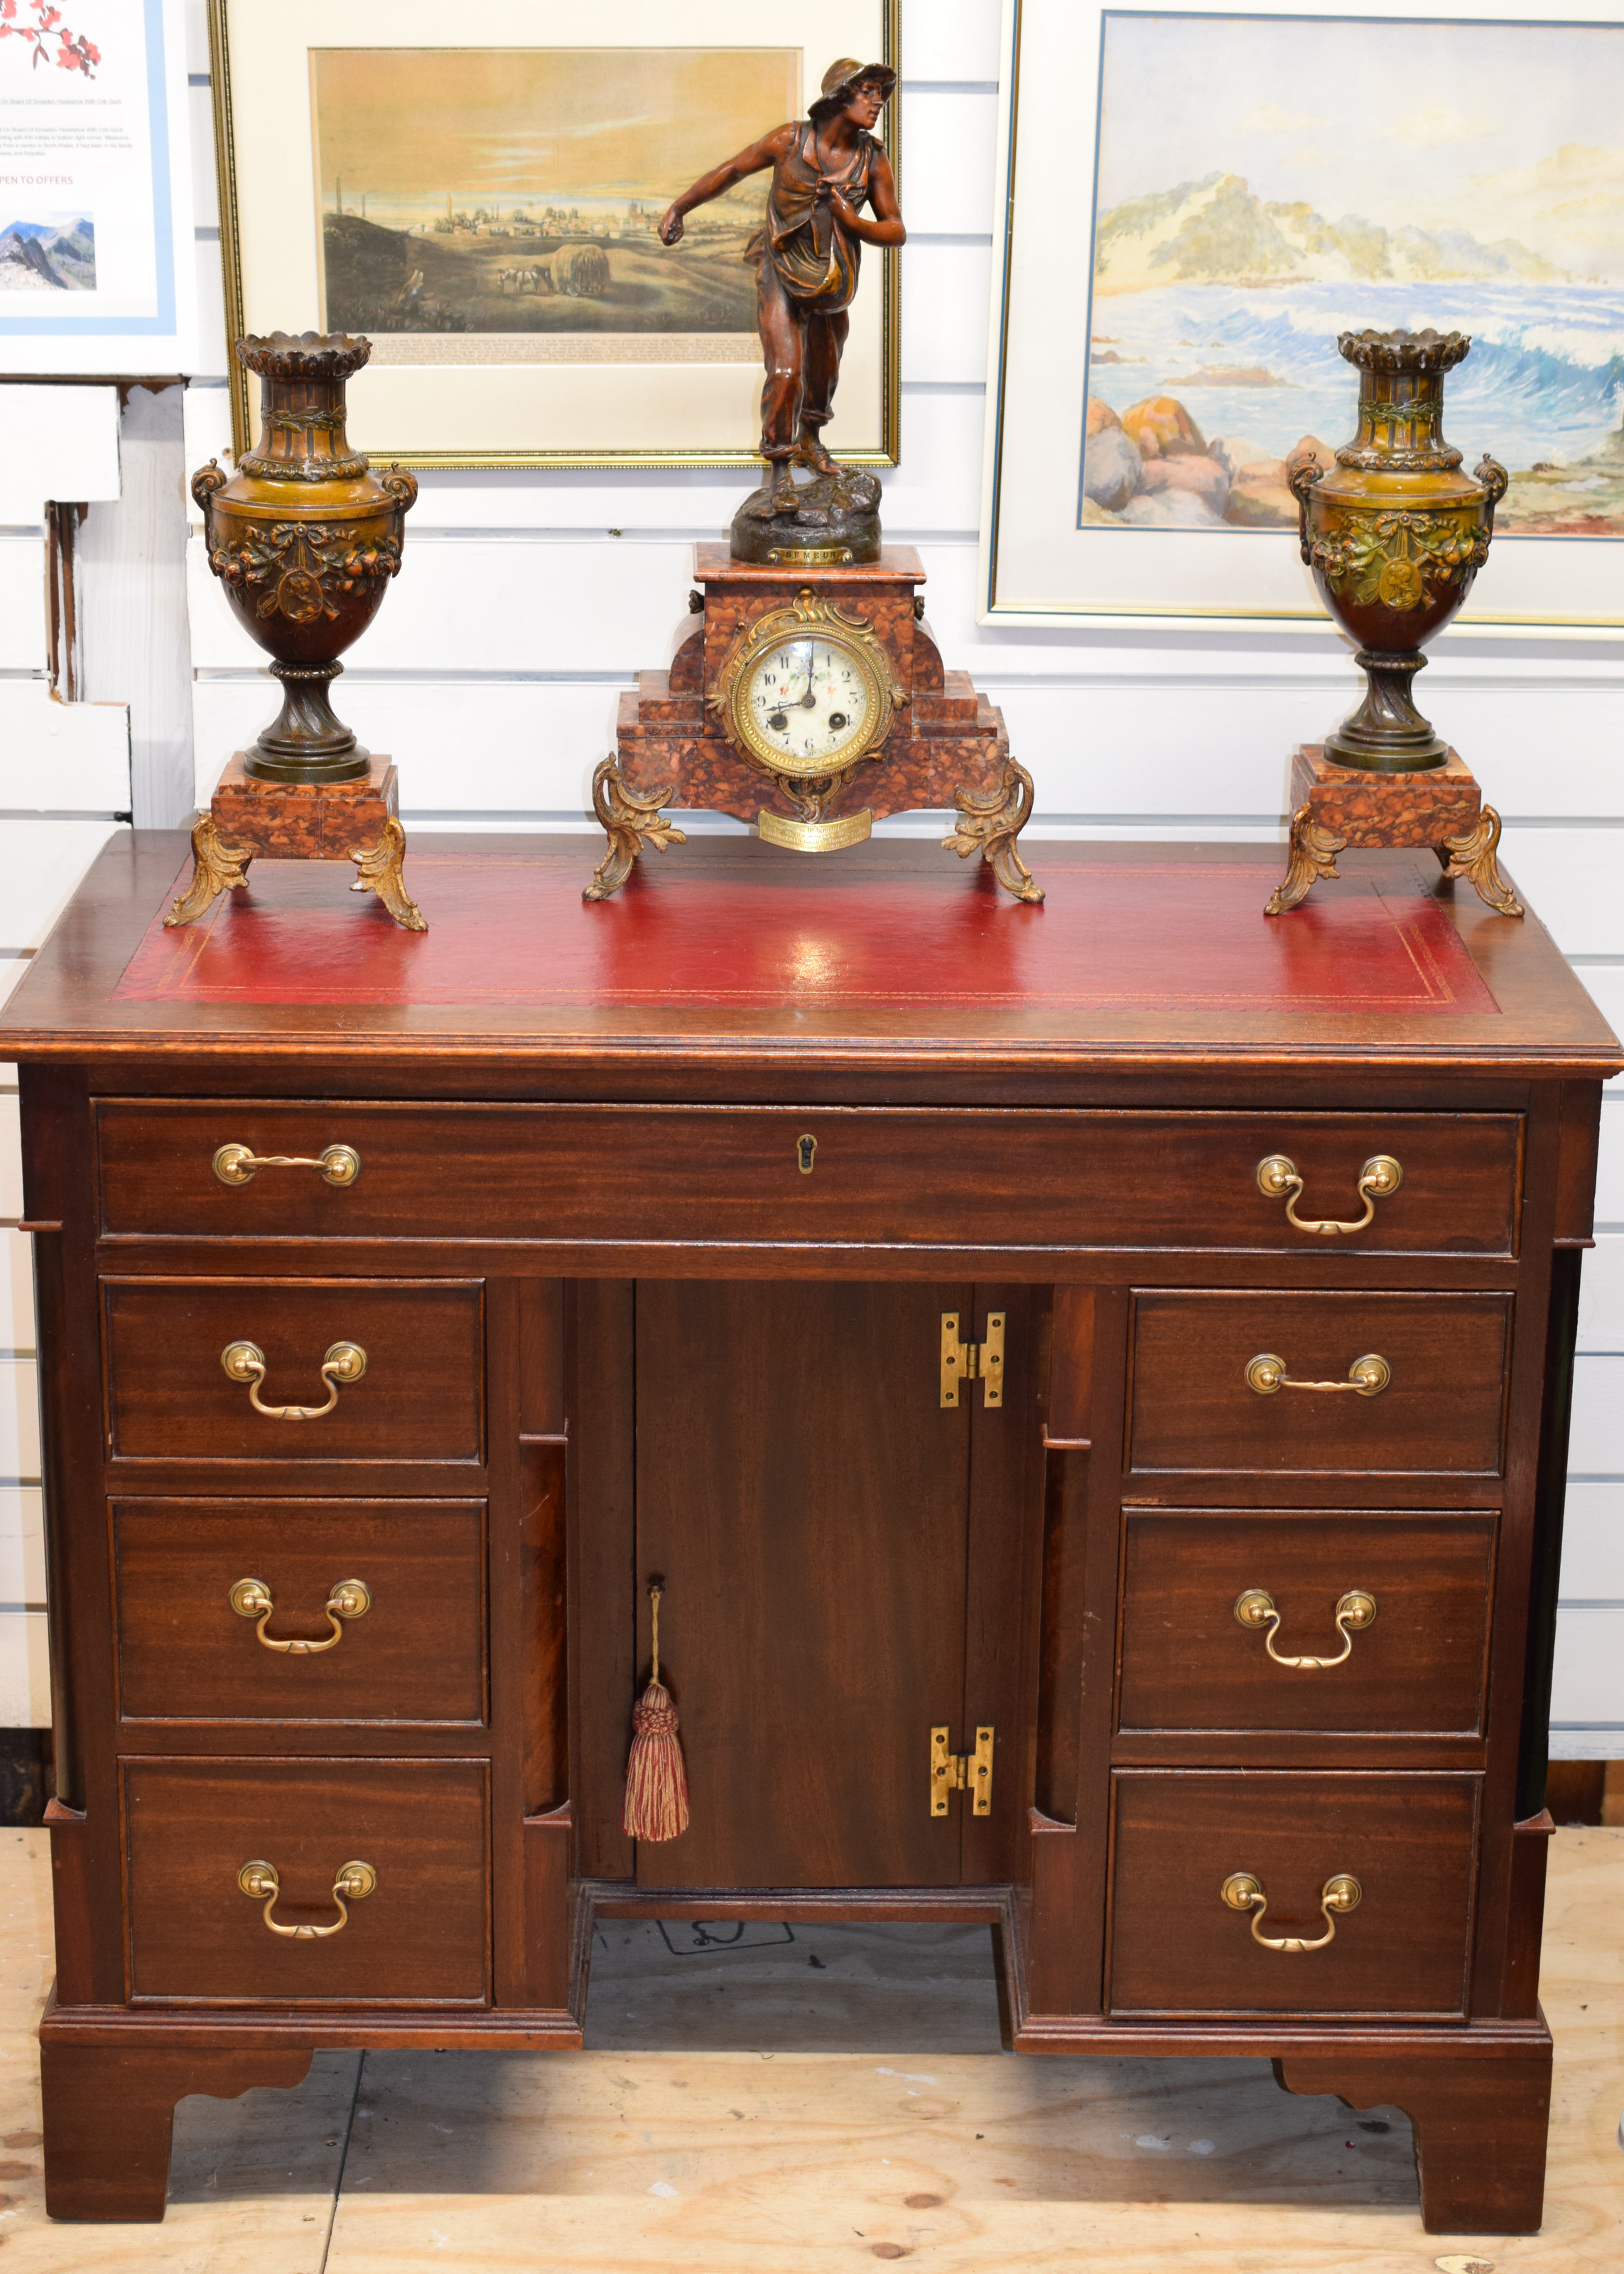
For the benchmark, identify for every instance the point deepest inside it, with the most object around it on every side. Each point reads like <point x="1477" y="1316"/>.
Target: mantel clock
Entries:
<point x="811" y="698"/>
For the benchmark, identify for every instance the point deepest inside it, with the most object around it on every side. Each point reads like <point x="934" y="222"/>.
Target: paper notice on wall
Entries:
<point x="97" y="269"/>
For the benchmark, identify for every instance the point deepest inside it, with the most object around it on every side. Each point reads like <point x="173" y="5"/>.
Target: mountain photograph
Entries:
<point x="54" y="255"/>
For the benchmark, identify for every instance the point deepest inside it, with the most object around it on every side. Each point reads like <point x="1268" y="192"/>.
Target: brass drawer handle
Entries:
<point x="245" y="1362"/>
<point x="261" y="1884"/>
<point x="1256" y="1609"/>
<point x="1367" y="1377"/>
<point x="350" y="1599"/>
<point x="235" y="1165"/>
<point x="1378" y="1179"/>
<point x="1242" y="1892"/>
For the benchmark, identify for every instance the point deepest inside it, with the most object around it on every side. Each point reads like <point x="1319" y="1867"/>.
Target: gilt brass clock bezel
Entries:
<point x="808" y="616"/>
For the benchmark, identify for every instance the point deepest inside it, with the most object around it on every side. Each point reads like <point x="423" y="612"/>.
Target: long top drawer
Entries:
<point x="918" y="1176"/>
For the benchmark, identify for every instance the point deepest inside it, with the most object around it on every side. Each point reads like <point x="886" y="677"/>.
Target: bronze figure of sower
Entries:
<point x="825" y="168"/>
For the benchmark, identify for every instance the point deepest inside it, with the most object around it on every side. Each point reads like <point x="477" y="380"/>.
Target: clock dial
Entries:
<point x="809" y="702"/>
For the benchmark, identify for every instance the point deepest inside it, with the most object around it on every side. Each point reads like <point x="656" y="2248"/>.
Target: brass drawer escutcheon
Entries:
<point x="261" y="1884"/>
<point x="1378" y="1179"/>
<point x="1367" y="1377"/>
<point x="245" y="1362"/>
<point x="235" y="1165"/>
<point x="1340" y="1893"/>
<point x="1255" y="1608"/>
<point x="349" y="1599"/>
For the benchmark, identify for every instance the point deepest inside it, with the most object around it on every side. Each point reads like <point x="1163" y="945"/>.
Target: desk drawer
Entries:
<point x="1201" y="1400"/>
<point x="419" y="1398"/>
<point x="1417" y="1665"/>
<point x="589" y="1173"/>
<point x="411" y="1649"/>
<point x="1176" y="1947"/>
<point x="419" y="1936"/>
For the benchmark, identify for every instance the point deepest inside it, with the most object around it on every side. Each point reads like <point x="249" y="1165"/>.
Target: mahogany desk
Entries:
<point x="679" y="1234"/>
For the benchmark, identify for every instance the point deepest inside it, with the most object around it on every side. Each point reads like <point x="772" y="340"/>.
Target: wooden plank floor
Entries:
<point x="745" y="2143"/>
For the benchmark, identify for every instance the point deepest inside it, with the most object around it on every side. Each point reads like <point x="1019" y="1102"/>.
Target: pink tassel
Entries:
<point x="656" y="1781"/>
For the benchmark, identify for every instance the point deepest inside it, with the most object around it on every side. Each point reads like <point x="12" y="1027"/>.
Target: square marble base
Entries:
<point x="1391" y="809"/>
<point x="304" y="821"/>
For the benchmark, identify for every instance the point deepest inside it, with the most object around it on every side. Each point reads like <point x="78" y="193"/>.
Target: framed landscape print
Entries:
<point x="1200" y="199"/>
<point x="481" y="196"/>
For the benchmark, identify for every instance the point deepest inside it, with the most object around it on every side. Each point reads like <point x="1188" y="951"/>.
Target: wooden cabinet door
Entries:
<point x="805" y="1500"/>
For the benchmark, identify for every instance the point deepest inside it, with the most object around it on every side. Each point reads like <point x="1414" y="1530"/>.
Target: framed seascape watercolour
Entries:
<point x="98" y="264"/>
<point x="481" y="195"/>
<point x="1199" y="200"/>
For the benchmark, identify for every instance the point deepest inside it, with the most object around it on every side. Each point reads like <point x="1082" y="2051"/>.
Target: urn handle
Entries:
<point x="205" y="482"/>
<point x="1495" y="480"/>
<point x="402" y="486"/>
<point x="1301" y="475"/>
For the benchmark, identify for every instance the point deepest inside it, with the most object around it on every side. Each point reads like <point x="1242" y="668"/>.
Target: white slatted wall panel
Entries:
<point x="64" y="772"/>
<point x="530" y="601"/>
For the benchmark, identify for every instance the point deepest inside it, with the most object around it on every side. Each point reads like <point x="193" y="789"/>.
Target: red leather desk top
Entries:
<point x="737" y="965"/>
<point x="505" y="929"/>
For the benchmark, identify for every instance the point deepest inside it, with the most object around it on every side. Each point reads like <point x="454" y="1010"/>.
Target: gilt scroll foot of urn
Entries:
<point x="1475" y="855"/>
<point x="215" y="869"/>
<point x="990" y="824"/>
<point x="630" y="820"/>
<point x="1336" y="808"/>
<point x="250" y="818"/>
<point x="1310" y="855"/>
<point x="380" y="869"/>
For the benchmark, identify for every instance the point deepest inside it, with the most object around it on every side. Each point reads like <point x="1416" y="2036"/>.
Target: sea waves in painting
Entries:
<point x="1216" y="300"/>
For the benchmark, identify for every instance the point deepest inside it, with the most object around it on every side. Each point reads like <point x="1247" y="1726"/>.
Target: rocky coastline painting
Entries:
<point x="1263" y="183"/>
<point x="519" y="189"/>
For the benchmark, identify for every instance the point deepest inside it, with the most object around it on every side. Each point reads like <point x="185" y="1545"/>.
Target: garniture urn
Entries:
<point x="1394" y="533"/>
<point x="305" y="539"/>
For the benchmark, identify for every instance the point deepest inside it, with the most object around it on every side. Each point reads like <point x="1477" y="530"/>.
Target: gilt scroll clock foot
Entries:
<point x="1342" y="808"/>
<point x="810" y="700"/>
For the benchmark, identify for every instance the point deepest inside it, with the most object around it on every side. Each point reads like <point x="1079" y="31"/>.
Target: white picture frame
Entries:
<point x="1039" y="563"/>
<point x="105" y="139"/>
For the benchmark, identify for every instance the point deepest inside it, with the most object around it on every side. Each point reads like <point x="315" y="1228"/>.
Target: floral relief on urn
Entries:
<point x="1394" y="533"/>
<point x="304" y="538"/>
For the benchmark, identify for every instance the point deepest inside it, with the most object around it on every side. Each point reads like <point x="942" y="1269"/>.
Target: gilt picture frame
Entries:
<point x="1193" y="201"/>
<point x="486" y="209"/>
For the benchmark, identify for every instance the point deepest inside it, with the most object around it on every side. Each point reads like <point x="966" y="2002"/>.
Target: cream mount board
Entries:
<point x="535" y="395"/>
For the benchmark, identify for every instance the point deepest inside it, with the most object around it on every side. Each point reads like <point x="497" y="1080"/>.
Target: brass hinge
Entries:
<point x="968" y="1361"/>
<point x="969" y="1772"/>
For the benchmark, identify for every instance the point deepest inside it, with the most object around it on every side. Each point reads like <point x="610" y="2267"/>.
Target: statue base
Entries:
<point x="834" y="524"/>
<point x="300" y="821"/>
<point x="1335" y="808"/>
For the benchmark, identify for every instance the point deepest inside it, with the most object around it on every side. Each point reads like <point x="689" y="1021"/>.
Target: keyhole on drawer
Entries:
<point x="805" y="1148"/>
